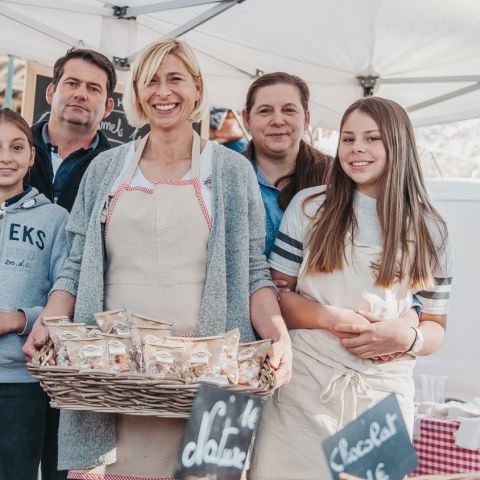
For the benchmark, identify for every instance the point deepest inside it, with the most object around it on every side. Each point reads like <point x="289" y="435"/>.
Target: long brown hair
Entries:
<point x="403" y="206"/>
<point x="311" y="165"/>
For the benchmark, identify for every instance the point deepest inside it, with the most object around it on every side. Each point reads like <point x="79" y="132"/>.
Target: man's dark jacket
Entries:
<point x="41" y="174"/>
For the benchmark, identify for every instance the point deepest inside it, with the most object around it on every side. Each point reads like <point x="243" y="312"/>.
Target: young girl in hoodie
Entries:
<point x="33" y="247"/>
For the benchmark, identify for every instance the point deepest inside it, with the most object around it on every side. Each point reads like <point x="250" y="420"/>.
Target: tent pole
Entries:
<point x="170" y="5"/>
<point x="443" y="98"/>
<point x="42" y="28"/>
<point x="66" y="5"/>
<point x="9" y="90"/>
<point x="440" y="79"/>
<point x="203" y="17"/>
<point x="196" y="21"/>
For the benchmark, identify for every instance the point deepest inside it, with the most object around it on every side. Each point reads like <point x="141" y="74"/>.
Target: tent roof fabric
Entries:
<point x="425" y="54"/>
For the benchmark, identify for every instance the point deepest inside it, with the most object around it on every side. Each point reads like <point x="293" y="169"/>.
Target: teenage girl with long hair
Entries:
<point x="355" y="252"/>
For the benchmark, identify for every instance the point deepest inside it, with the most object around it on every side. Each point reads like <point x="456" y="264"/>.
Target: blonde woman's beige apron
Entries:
<point x="330" y="386"/>
<point x="156" y="243"/>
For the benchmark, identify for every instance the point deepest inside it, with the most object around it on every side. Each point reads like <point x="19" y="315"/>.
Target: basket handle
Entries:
<point x="42" y="356"/>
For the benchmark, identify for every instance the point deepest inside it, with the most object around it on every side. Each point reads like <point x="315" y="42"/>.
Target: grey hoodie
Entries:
<point x="33" y="247"/>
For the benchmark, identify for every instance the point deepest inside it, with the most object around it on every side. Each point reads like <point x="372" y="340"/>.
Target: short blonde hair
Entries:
<point x="144" y="68"/>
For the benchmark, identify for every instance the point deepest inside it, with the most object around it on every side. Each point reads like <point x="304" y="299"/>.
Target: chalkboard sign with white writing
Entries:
<point x="375" y="446"/>
<point x="218" y="435"/>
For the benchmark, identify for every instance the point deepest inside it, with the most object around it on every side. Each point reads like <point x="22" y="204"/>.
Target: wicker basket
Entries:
<point x="134" y="394"/>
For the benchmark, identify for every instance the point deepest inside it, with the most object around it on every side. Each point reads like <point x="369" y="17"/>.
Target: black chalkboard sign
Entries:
<point x="116" y="127"/>
<point x="375" y="446"/>
<point x="218" y="435"/>
<point x="41" y="108"/>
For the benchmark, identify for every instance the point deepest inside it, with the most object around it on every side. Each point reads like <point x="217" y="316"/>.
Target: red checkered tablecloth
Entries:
<point x="437" y="452"/>
<point x="72" y="475"/>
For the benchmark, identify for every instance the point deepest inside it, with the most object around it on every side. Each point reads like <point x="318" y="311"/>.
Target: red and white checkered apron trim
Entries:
<point x="437" y="452"/>
<point x="165" y="181"/>
<point x="174" y="181"/>
<point x="198" y="193"/>
<point x="201" y="201"/>
<point x="72" y="475"/>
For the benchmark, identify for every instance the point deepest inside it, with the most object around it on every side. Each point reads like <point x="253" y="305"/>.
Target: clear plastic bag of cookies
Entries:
<point x="120" y="354"/>
<point x="141" y="335"/>
<point x="251" y="357"/>
<point x="211" y="359"/>
<point x="60" y="333"/>
<point x="114" y="322"/>
<point x="139" y="320"/>
<point x="164" y="362"/>
<point x="88" y="353"/>
<point x="229" y="356"/>
<point x="199" y="356"/>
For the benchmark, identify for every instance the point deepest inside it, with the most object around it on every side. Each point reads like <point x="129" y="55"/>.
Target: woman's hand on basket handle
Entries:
<point x="59" y="303"/>
<point x="36" y="340"/>
<point x="268" y="322"/>
<point x="280" y="358"/>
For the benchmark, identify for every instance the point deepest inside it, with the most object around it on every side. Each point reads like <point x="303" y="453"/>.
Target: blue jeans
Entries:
<point x="22" y="424"/>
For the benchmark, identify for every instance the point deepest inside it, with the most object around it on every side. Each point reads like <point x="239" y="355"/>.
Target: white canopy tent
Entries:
<point x="422" y="54"/>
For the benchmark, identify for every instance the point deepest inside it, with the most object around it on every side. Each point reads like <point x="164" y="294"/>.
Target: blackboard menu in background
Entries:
<point x="115" y="126"/>
<point x="375" y="446"/>
<point x="218" y="435"/>
<point x="41" y="108"/>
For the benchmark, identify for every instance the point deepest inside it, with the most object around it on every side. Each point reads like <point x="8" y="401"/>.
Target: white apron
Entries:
<point x="156" y="243"/>
<point x="330" y="387"/>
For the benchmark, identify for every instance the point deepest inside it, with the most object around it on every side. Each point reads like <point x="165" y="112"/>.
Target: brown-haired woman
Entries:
<point x="367" y="242"/>
<point x="276" y="114"/>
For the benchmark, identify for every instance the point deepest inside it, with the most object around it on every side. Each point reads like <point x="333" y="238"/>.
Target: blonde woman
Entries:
<point x="359" y="248"/>
<point x="181" y="223"/>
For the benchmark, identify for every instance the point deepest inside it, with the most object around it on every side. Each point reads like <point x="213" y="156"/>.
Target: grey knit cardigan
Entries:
<point x="236" y="267"/>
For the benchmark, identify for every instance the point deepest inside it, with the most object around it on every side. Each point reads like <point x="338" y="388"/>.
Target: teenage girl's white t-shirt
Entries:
<point x="288" y="250"/>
